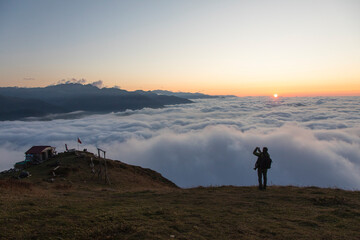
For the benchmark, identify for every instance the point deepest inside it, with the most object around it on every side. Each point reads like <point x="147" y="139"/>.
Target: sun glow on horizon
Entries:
<point x="242" y="48"/>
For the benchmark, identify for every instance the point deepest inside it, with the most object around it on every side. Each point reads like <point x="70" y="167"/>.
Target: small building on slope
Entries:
<point x="36" y="155"/>
<point x="39" y="153"/>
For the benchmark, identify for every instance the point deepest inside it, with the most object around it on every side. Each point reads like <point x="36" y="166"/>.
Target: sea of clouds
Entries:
<point x="312" y="141"/>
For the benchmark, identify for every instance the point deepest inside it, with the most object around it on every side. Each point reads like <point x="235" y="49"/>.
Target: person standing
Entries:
<point x="262" y="164"/>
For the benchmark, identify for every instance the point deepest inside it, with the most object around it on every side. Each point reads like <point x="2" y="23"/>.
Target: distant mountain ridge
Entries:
<point x="189" y="95"/>
<point x="19" y="103"/>
<point x="183" y="94"/>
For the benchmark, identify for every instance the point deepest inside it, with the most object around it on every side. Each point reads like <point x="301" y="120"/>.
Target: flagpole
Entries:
<point x="78" y="142"/>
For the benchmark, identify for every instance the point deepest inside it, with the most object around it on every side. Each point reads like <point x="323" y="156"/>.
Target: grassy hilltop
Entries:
<point x="141" y="204"/>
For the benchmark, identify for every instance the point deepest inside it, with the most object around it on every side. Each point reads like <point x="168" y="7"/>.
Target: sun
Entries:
<point x="275" y="95"/>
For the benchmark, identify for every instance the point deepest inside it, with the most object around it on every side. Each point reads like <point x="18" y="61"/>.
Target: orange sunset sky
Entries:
<point x="244" y="48"/>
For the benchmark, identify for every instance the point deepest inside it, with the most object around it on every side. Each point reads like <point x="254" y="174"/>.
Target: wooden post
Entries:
<point x="100" y="168"/>
<point x="107" y="180"/>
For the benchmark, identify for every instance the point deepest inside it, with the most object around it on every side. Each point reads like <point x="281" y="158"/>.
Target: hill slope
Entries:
<point x="140" y="204"/>
<point x="75" y="170"/>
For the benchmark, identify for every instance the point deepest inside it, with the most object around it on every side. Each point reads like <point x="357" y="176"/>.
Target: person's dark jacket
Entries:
<point x="261" y="161"/>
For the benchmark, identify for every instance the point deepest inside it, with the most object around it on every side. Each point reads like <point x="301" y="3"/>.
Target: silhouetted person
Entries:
<point x="262" y="164"/>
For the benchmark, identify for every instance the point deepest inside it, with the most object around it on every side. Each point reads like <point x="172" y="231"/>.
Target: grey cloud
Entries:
<point x="70" y="115"/>
<point x="326" y="125"/>
<point x="348" y="135"/>
<point x="72" y="80"/>
<point x="98" y="84"/>
<point x="28" y="79"/>
<point x="8" y="153"/>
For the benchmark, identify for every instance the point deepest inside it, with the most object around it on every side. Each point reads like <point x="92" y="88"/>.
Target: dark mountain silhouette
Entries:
<point x="188" y="95"/>
<point x="183" y="94"/>
<point x="13" y="108"/>
<point x="19" y="103"/>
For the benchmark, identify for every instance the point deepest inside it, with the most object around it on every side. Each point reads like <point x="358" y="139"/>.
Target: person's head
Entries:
<point x="265" y="149"/>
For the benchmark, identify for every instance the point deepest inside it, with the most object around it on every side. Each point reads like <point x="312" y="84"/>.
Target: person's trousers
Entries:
<point x="262" y="174"/>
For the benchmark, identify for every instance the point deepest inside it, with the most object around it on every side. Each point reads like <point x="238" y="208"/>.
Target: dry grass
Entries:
<point x="15" y="185"/>
<point x="141" y="204"/>
<point x="199" y="213"/>
<point x="76" y="171"/>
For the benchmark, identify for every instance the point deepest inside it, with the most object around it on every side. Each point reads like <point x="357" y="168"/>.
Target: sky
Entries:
<point x="244" y="48"/>
<point x="312" y="141"/>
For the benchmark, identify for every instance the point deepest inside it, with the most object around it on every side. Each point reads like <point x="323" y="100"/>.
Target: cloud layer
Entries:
<point x="312" y="141"/>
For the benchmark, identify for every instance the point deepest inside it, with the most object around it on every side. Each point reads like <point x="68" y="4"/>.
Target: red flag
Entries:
<point x="79" y="141"/>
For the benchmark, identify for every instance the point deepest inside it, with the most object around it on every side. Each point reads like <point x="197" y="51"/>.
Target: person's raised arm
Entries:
<point x="257" y="151"/>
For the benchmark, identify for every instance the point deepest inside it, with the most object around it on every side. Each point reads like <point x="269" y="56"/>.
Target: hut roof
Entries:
<point x="36" y="149"/>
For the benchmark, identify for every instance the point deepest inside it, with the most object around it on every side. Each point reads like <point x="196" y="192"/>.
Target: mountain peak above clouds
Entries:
<point x="70" y="97"/>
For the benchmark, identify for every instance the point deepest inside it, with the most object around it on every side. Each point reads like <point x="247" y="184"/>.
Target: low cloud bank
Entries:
<point x="313" y="142"/>
<point x="9" y="155"/>
<point x="223" y="156"/>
